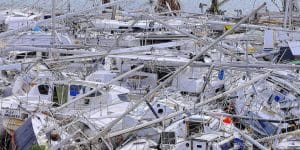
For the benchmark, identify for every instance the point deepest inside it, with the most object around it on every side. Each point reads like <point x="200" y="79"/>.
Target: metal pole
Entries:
<point x="114" y="12"/>
<point x="42" y="49"/>
<point x="247" y="117"/>
<point x="295" y="133"/>
<point x="207" y="79"/>
<point x="243" y="65"/>
<point x="287" y="9"/>
<point x="291" y="5"/>
<point x="251" y="26"/>
<point x="53" y="29"/>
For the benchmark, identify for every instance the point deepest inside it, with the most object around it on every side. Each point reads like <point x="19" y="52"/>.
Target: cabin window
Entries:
<point x="123" y="97"/>
<point x="26" y="55"/>
<point x="47" y="16"/>
<point x="139" y="143"/>
<point x="21" y="56"/>
<point x="43" y="89"/>
<point x="94" y="94"/>
<point x="31" y="55"/>
<point x="86" y="101"/>
<point x="63" y="54"/>
<point x="45" y="55"/>
<point x="132" y="67"/>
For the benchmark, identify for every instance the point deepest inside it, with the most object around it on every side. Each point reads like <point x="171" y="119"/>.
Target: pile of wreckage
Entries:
<point x="158" y="78"/>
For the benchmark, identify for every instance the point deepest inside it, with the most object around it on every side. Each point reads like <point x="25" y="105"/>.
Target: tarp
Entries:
<point x="25" y="137"/>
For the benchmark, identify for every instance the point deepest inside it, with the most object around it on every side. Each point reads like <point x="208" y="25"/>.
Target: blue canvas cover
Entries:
<point x="24" y="136"/>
